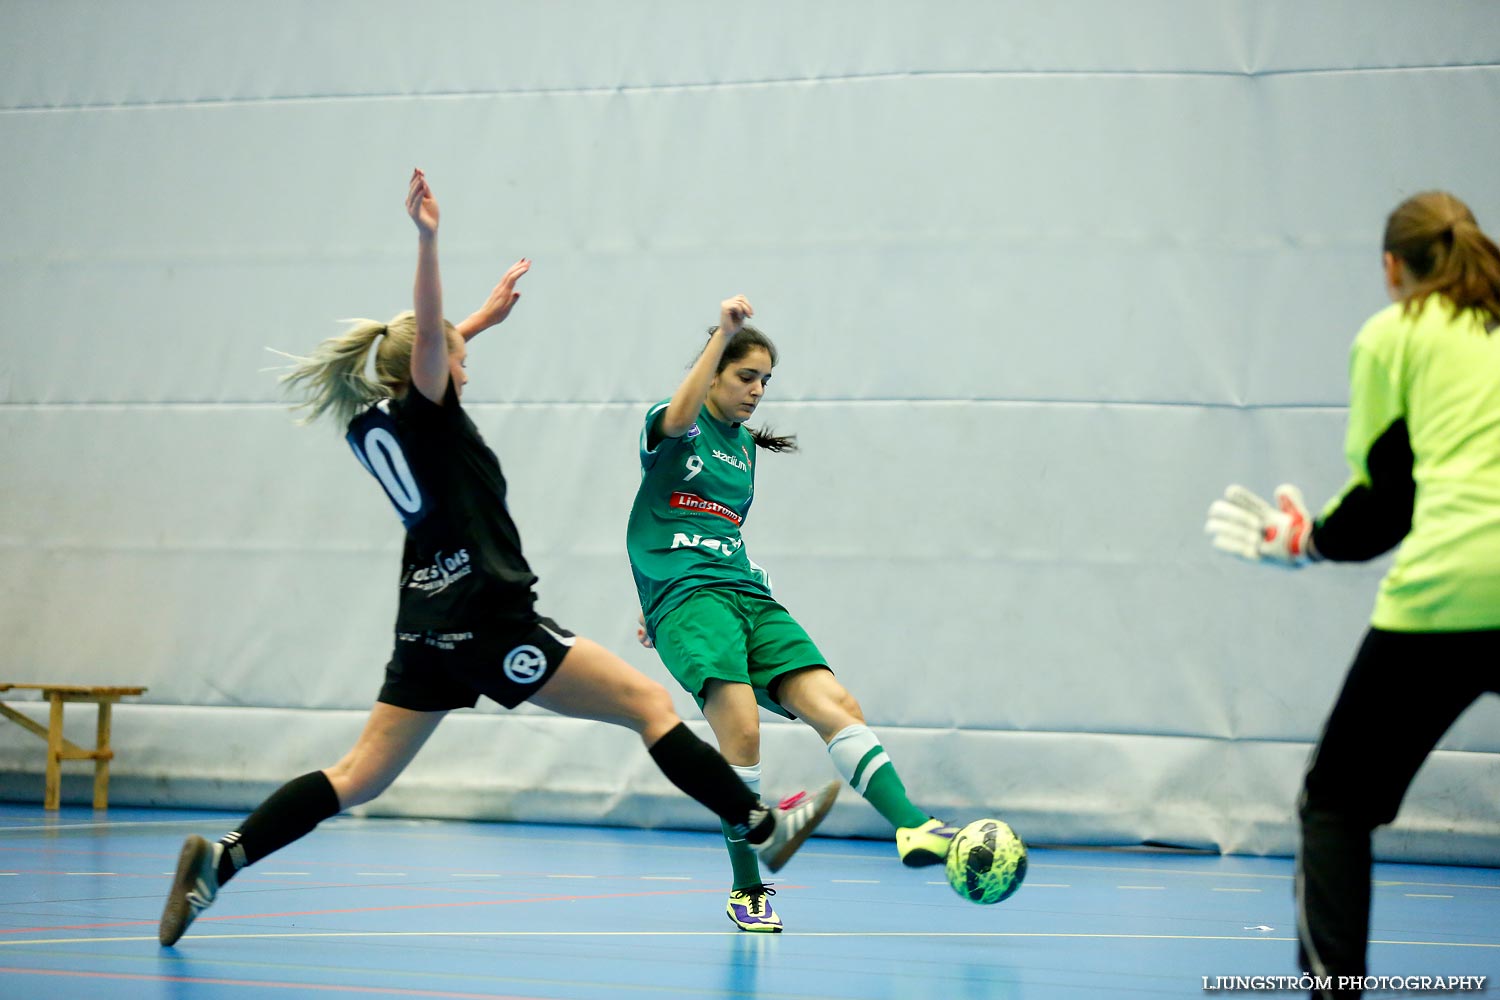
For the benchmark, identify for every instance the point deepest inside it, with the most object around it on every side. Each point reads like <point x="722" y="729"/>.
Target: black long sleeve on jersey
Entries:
<point x="1371" y="520"/>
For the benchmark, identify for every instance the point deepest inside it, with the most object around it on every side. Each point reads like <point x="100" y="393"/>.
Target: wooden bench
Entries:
<point x="59" y="749"/>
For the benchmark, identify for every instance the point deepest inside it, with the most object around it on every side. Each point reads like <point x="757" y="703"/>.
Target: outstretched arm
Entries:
<point x="502" y="297"/>
<point x="688" y="399"/>
<point x="1246" y="525"/>
<point x="429" y="356"/>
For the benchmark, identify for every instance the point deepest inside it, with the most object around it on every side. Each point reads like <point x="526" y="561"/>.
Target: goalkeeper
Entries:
<point x="1424" y="445"/>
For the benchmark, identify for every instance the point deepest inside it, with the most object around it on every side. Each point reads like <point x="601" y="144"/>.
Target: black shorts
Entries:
<point x="437" y="671"/>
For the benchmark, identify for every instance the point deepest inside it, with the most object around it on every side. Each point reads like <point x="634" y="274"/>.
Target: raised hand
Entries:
<point x="1246" y="525"/>
<point x="504" y="295"/>
<point x="733" y="313"/>
<point x="421" y="204"/>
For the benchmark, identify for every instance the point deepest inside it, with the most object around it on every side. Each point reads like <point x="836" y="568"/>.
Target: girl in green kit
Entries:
<point x="708" y="609"/>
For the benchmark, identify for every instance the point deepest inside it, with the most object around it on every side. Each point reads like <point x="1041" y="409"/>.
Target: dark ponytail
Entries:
<point x="765" y="438"/>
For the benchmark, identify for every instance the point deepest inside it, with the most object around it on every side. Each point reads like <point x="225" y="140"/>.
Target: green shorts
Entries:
<point x="729" y="635"/>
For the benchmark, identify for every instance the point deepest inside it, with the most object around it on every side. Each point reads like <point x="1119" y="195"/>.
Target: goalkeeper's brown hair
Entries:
<point x="1436" y="237"/>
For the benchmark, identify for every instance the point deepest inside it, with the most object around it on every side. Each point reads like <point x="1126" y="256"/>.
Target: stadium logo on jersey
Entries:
<point x="525" y="664"/>
<point x="691" y="501"/>
<point x="445" y="571"/>
<point x="742" y="464"/>
<point x="725" y="547"/>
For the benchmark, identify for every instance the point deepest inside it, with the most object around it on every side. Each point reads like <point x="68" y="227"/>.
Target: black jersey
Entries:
<point x="463" y="561"/>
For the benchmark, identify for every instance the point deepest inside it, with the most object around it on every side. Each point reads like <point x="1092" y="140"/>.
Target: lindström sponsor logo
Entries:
<point x="692" y="501"/>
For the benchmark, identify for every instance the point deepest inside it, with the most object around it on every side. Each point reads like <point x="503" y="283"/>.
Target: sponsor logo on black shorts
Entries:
<point x="525" y="664"/>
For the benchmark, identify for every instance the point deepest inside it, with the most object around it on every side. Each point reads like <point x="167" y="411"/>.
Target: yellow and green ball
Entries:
<point x="987" y="862"/>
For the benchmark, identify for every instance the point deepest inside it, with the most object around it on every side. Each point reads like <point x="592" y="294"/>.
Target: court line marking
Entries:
<point x="308" y="935"/>
<point x="811" y="851"/>
<point x="47" y="874"/>
<point x="1218" y="889"/>
<point x="378" y="909"/>
<point x="1388" y="884"/>
<point x="1425" y="895"/>
<point x="1164" y="871"/>
<point x="274" y="985"/>
<point x="1378" y="883"/>
<point x="110" y="825"/>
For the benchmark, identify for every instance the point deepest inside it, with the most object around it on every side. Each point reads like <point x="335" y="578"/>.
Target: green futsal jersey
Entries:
<point x="684" y="531"/>
<point x="1424" y="447"/>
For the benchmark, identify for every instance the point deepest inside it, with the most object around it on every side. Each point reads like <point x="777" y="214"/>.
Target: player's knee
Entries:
<point x="652" y="713"/>
<point x="846" y="703"/>
<point x="653" y="705"/>
<point x="829" y="705"/>
<point x="739" y="741"/>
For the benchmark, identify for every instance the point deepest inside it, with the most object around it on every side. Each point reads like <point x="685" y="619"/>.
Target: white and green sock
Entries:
<point x="863" y="762"/>
<point x="742" y="857"/>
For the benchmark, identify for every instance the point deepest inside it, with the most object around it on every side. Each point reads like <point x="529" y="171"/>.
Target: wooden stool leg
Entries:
<point x="54" y="753"/>
<point x="101" y="762"/>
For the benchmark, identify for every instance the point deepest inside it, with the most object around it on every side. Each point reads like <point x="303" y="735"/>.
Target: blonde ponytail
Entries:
<point x="332" y="379"/>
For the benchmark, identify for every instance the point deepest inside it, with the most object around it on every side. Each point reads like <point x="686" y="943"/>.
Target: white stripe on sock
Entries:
<point x="849" y="746"/>
<point x="876" y="763"/>
<point x="751" y="777"/>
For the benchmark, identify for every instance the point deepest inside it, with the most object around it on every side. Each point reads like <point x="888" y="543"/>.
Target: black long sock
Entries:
<point x="289" y="814"/>
<point x="697" y="769"/>
<point x="1333" y="893"/>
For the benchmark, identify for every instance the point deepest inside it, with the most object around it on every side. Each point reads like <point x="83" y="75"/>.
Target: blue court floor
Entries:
<point x="415" y="908"/>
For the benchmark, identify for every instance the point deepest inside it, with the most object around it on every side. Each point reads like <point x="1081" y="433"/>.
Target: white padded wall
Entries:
<point x="1044" y="280"/>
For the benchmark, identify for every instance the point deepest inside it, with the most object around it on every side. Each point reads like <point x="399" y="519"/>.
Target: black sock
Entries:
<point x="697" y="769"/>
<point x="289" y="814"/>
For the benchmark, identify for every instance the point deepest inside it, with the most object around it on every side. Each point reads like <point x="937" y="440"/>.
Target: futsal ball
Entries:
<point x="987" y="862"/>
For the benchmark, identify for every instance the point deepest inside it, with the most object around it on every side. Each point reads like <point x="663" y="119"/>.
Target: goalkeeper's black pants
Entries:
<point x="1402" y="693"/>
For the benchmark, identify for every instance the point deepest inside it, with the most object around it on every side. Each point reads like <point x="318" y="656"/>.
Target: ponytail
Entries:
<point x="1437" y="238"/>
<point x="764" y="438"/>
<point x="332" y="379"/>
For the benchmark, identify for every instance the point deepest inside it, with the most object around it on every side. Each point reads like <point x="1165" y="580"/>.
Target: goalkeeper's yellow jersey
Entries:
<point x="1424" y="393"/>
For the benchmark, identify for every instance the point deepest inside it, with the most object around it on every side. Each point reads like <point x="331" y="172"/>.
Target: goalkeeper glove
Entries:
<point x="1245" y="525"/>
